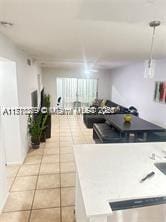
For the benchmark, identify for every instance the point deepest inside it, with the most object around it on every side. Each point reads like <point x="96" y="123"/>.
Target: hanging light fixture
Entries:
<point x="150" y="63"/>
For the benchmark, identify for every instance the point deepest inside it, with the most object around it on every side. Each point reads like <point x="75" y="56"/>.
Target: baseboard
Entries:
<point x="18" y="162"/>
<point x="15" y="163"/>
<point x="4" y="202"/>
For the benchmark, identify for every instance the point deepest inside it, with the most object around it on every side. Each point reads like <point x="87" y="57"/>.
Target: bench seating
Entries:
<point x="102" y="133"/>
<point x="156" y="137"/>
<point x="90" y="119"/>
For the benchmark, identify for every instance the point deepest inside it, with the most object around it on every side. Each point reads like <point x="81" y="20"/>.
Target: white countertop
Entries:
<point x="110" y="172"/>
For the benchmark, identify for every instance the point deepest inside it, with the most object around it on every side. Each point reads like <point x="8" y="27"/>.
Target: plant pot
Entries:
<point x="48" y="128"/>
<point x="43" y="137"/>
<point x="35" y="143"/>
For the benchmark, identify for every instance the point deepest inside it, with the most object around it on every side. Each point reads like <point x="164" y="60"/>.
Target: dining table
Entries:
<point x="137" y="126"/>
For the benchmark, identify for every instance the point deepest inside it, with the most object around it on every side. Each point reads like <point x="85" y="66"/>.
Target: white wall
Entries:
<point x="129" y="87"/>
<point x="26" y="82"/>
<point x="3" y="178"/>
<point x="10" y="123"/>
<point x="49" y="76"/>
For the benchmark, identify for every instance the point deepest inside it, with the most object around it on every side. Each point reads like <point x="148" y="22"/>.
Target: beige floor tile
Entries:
<point x="66" y="157"/>
<point x="48" y="186"/>
<point x="52" y="145"/>
<point x="90" y="141"/>
<point x="68" y="214"/>
<point x="46" y="198"/>
<point x="67" y="167"/>
<point x="29" y="170"/>
<point x="15" y="216"/>
<point x="36" y="159"/>
<point x="52" y="168"/>
<point x="68" y="196"/>
<point x="76" y="132"/>
<point x="65" y="135"/>
<point x="62" y="130"/>
<point x="64" y="150"/>
<point x="81" y="137"/>
<point x="51" y="151"/>
<point x="50" y="159"/>
<point x="67" y="179"/>
<point x="42" y="145"/>
<point x="46" y="215"/>
<point x="33" y="152"/>
<point x="54" y="134"/>
<point x="24" y="183"/>
<point x="66" y="144"/>
<point x="12" y="170"/>
<point x="53" y="140"/>
<point x="55" y="125"/>
<point x="19" y="201"/>
<point x="66" y="139"/>
<point x="48" y="181"/>
<point x="10" y="181"/>
<point x="79" y="142"/>
<point x="77" y="135"/>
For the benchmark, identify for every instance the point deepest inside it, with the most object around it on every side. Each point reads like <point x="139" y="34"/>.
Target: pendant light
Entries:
<point x="150" y="63"/>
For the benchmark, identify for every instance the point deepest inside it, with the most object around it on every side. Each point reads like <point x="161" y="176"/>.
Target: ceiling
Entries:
<point x="95" y="33"/>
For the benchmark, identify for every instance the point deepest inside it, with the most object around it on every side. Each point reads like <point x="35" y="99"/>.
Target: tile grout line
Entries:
<point x="14" y="179"/>
<point x="29" y="219"/>
<point x="74" y="163"/>
<point x="73" y="123"/>
<point x="44" y="208"/>
<point x="60" y="174"/>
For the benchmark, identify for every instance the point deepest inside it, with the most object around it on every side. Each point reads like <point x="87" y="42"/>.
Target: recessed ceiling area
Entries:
<point x="103" y="33"/>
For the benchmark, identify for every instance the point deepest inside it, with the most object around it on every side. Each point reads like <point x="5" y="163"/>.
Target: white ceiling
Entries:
<point x="102" y="33"/>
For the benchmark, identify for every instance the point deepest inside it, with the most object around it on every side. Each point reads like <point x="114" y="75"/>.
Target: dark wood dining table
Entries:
<point x="136" y="126"/>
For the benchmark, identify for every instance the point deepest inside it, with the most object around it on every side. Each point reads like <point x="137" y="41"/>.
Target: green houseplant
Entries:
<point x="47" y="104"/>
<point x="36" y="125"/>
<point x="44" y="128"/>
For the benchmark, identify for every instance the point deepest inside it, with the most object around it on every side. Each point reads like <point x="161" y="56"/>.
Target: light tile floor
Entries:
<point x="43" y="188"/>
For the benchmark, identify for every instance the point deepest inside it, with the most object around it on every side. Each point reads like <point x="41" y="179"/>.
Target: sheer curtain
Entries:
<point x="67" y="88"/>
<point x="77" y="90"/>
<point x="87" y="91"/>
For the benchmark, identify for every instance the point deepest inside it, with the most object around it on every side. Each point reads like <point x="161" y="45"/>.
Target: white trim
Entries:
<point x="14" y="163"/>
<point x="18" y="162"/>
<point x="3" y="202"/>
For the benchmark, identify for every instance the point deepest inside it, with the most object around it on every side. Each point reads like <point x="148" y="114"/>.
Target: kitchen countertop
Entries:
<point x="112" y="172"/>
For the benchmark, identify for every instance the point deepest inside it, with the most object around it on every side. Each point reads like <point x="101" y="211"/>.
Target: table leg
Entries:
<point x="135" y="137"/>
<point x="145" y="136"/>
<point x="127" y="135"/>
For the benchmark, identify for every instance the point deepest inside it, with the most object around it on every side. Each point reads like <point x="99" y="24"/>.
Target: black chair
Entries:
<point x="60" y="110"/>
<point x="59" y="101"/>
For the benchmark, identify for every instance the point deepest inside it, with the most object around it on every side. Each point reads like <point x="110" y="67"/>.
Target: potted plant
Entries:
<point x="48" y="121"/>
<point x="36" y="125"/>
<point x="44" y="128"/>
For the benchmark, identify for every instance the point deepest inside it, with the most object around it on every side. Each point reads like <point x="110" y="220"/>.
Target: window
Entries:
<point x="77" y="90"/>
